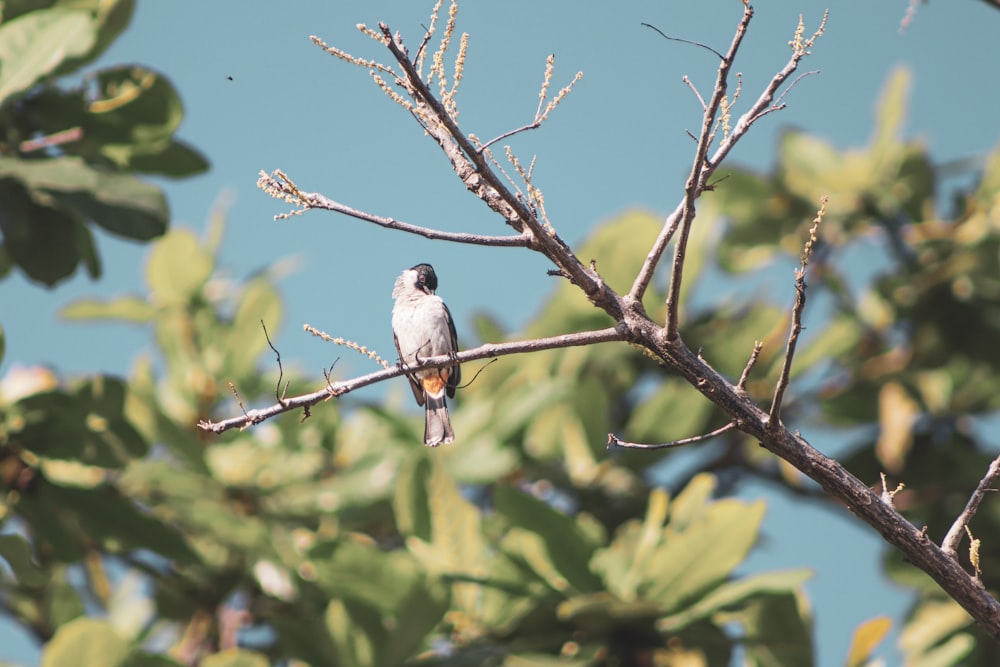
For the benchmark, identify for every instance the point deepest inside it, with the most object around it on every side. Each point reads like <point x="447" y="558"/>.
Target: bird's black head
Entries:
<point x="427" y="280"/>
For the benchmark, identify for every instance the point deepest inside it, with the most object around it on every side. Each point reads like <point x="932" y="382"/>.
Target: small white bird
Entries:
<point x="422" y="327"/>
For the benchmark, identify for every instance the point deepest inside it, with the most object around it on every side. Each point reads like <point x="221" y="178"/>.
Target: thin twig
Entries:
<point x="680" y="39"/>
<point x="701" y="100"/>
<point x="615" y="441"/>
<point x="478" y="373"/>
<point x="279" y="395"/>
<point x="524" y="128"/>
<point x="696" y="179"/>
<point x="50" y="140"/>
<point x="754" y="355"/>
<point x="954" y="536"/>
<point x="278" y="185"/>
<point x="797" y="309"/>
<point x="336" y="389"/>
<point x="760" y="108"/>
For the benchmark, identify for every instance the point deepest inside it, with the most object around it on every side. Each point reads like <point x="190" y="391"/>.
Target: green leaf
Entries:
<point x="3" y="343"/>
<point x="85" y="641"/>
<point x="258" y="301"/>
<point x="62" y="601"/>
<point x="565" y="544"/>
<point x="113" y="17"/>
<point x="457" y="544"/>
<point x="16" y="551"/>
<point x="890" y="116"/>
<point x="356" y="632"/>
<point x="932" y="623"/>
<point x="410" y="504"/>
<point x="304" y="636"/>
<point x="353" y="571"/>
<point x="692" y="504"/>
<point x="734" y="593"/>
<point x="178" y="268"/>
<point x="778" y="631"/>
<point x="698" y="559"/>
<point x="70" y="517"/>
<point x="235" y="657"/>
<point x="414" y="618"/>
<point x="120" y="203"/>
<point x="136" y="107"/>
<point x="623" y="564"/>
<point x="124" y="308"/>
<point x="143" y="659"/>
<point x="35" y="44"/>
<point x="86" y="426"/>
<point x="600" y="613"/>
<point x="174" y="159"/>
<point x="42" y="241"/>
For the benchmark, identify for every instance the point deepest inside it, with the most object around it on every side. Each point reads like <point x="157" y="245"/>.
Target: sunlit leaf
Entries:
<point x="235" y="657"/>
<point x="566" y="546"/>
<point x="124" y="308"/>
<point x="177" y="268"/>
<point x="85" y="641"/>
<point x="35" y="44"/>
<point x="866" y="637"/>
<point x="694" y="561"/>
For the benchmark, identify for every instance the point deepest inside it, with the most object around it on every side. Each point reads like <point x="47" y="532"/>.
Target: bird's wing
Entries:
<point x="418" y="391"/>
<point x="455" y="372"/>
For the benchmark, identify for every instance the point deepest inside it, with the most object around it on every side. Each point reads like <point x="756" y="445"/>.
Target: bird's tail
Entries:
<point x="437" y="423"/>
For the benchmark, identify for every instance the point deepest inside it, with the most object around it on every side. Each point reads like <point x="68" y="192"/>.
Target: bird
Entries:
<point x="422" y="327"/>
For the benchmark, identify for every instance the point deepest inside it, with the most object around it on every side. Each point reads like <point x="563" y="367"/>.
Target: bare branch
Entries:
<point x="685" y="212"/>
<point x="701" y="100"/>
<point x="543" y="111"/>
<point x="279" y="186"/>
<point x="337" y="389"/>
<point x="613" y="440"/>
<point x="279" y="394"/>
<point x="954" y="536"/>
<point x="796" y="326"/>
<point x="534" y="125"/>
<point x="754" y="355"/>
<point x="685" y="41"/>
<point x="705" y="167"/>
<point x="474" y="169"/>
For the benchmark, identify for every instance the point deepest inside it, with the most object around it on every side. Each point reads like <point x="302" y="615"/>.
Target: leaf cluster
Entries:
<point x="71" y="154"/>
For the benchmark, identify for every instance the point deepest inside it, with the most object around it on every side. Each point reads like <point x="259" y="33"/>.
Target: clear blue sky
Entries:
<point x="617" y="142"/>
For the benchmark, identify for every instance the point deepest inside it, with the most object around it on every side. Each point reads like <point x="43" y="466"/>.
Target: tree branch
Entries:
<point x="475" y="171"/>
<point x="614" y="440"/>
<point x="797" y="310"/>
<point x="280" y="186"/>
<point x="763" y="106"/>
<point x="337" y="389"/>
<point x="954" y="536"/>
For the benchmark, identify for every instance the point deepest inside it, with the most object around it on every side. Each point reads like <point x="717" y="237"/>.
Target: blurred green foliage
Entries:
<point x="339" y="540"/>
<point x="70" y="154"/>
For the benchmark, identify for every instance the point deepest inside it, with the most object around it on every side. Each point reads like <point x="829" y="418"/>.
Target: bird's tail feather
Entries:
<point x="437" y="423"/>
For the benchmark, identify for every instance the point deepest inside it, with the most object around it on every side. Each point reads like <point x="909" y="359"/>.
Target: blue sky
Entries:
<point x="616" y="143"/>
